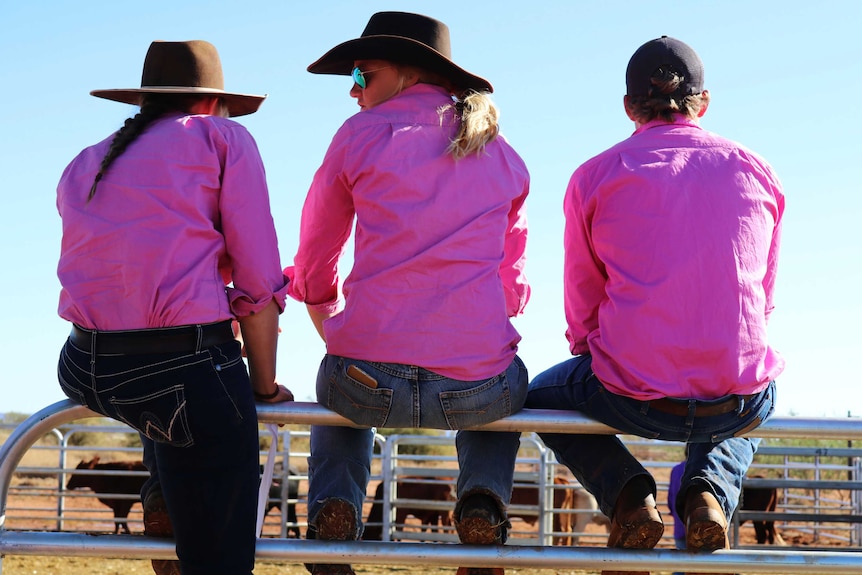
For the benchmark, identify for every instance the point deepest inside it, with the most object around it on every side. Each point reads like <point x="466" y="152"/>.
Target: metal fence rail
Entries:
<point x="365" y="552"/>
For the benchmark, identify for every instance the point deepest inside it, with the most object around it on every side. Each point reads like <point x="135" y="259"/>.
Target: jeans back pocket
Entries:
<point x="161" y="415"/>
<point x="356" y="400"/>
<point x="488" y="401"/>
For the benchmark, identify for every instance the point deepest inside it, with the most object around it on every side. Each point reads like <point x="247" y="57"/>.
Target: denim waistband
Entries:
<point x="702" y="408"/>
<point x="182" y="339"/>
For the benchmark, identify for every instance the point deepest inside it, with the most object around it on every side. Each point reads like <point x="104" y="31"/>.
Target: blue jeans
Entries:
<point x="375" y="394"/>
<point x="199" y="411"/>
<point x="717" y="459"/>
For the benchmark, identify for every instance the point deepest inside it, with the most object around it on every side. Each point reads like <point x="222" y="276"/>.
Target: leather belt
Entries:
<point x="702" y="408"/>
<point x="183" y="339"/>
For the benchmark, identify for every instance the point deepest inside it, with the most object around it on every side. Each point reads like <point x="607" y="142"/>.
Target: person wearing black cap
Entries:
<point x="420" y="334"/>
<point x="671" y="247"/>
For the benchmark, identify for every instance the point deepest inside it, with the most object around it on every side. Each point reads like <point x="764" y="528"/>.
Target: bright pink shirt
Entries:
<point x="180" y="214"/>
<point x="672" y="243"/>
<point x="440" y="244"/>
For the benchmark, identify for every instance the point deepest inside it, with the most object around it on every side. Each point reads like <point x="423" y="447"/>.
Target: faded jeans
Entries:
<point x="717" y="459"/>
<point x="198" y="408"/>
<point x="399" y="395"/>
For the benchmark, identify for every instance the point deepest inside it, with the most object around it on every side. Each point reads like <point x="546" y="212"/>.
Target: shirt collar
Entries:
<point x="678" y="120"/>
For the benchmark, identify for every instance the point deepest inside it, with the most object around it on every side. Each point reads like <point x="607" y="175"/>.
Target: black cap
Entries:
<point x="668" y="53"/>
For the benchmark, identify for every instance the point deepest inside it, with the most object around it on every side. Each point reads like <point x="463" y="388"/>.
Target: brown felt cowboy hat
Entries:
<point x="403" y="38"/>
<point x="191" y="67"/>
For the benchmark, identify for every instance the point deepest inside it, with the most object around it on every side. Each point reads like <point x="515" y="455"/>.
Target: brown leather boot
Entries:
<point x="480" y="523"/>
<point x="336" y="521"/>
<point x="157" y="523"/>
<point x="705" y="522"/>
<point x="636" y="523"/>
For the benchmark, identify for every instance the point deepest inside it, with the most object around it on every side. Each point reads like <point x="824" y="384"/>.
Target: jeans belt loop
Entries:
<point x="93" y="355"/>
<point x="692" y="409"/>
<point x="199" y="336"/>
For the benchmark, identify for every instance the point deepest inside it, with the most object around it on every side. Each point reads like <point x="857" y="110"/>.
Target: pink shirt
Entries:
<point x="439" y="250"/>
<point x="180" y="214"/>
<point x="671" y="251"/>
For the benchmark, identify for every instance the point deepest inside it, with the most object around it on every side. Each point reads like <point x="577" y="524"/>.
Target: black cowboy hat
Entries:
<point x="190" y="67"/>
<point x="404" y="38"/>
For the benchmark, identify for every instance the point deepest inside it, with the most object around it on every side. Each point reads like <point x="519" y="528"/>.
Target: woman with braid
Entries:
<point x="420" y="335"/>
<point x="167" y="238"/>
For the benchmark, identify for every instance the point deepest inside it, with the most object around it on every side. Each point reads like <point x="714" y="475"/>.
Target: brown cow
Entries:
<point x="589" y="513"/>
<point x="410" y="488"/>
<point x="762" y="499"/>
<point x="106" y="485"/>
<point x="566" y="498"/>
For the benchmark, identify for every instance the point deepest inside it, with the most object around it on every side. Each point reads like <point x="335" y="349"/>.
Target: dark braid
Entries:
<point x="151" y="109"/>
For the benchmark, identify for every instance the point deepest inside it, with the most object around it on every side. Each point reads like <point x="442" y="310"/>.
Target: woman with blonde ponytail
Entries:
<point x="419" y="335"/>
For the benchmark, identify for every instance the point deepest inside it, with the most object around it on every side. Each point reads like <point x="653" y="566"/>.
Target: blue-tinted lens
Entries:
<point x="358" y="77"/>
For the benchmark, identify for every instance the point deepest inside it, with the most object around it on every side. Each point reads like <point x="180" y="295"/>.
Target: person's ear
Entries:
<point x="626" y="105"/>
<point x="704" y="103"/>
<point x="410" y="77"/>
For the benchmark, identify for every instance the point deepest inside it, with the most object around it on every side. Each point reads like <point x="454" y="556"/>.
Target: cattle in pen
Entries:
<point x="416" y="488"/>
<point x="573" y="509"/>
<point x="112" y="489"/>
<point x="762" y="499"/>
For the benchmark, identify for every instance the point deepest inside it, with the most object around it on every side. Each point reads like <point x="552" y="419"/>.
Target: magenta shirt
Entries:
<point x="180" y="214"/>
<point x="440" y="244"/>
<point x="672" y="243"/>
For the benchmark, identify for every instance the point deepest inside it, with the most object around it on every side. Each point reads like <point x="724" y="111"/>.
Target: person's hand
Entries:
<point x="278" y="395"/>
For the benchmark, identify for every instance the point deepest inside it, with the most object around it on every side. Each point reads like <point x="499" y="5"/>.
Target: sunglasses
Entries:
<point x="359" y="76"/>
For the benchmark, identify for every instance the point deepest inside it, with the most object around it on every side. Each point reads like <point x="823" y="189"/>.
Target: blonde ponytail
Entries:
<point x="479" y="125"/>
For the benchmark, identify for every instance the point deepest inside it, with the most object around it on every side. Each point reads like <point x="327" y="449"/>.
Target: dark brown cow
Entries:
<point x="106" y="485"/>
<point x="762" y="499"/>
<point x="410" y="488"/>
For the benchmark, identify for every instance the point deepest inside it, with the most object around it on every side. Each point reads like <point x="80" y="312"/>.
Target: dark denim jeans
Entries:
<point x="408" y="396"/>
<point x="198" y="408"/>
<point x="717" y="458"/>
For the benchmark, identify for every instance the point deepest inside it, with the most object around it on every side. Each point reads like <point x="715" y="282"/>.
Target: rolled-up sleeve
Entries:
<point x="251" y="244"/>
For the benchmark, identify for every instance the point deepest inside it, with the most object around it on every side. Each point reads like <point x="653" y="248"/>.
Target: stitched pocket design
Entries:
<point x="160" y="415"/>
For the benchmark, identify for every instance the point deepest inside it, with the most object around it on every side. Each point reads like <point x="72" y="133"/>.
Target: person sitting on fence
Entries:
<point x="168" y="237"/>
<point x="671" y="248"/>
<point x="420" y="335"/>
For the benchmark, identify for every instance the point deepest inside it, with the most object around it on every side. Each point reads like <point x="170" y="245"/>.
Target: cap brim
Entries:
<point x="339" y="60"/>
<point x="237" y="104"/>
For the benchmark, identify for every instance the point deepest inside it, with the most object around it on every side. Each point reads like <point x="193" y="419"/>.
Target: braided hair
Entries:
<point x="153" y="106"/>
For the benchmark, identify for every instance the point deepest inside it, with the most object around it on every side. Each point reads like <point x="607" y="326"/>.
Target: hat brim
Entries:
<point x="339" y="60"/>
<point x="237" y="104"/>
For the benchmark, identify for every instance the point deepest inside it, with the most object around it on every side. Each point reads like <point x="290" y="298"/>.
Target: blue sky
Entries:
<point x="784" y="78"/>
